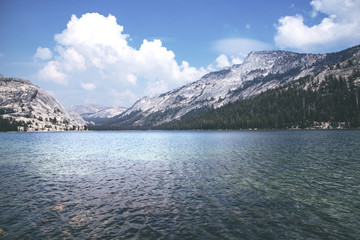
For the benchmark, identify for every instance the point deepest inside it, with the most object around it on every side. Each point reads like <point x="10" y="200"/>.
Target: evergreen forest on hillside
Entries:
<point x="334" y="100"/>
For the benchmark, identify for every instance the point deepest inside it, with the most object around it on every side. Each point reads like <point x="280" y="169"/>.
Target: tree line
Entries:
<point x="334" y="100"/>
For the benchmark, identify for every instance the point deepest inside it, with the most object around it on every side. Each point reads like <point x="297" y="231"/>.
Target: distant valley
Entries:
<point x="95" y="114"/>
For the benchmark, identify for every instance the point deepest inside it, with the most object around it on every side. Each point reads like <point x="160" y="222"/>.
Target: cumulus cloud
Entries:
<point x="51" y="73"/>
<point x="222" y="61"/>
<point x="234" y="50"/>
<point x="236" y="60"/>
<point x="93" y="48"/>
<point x="42" y="54"/>
<point x="339" y="27"/>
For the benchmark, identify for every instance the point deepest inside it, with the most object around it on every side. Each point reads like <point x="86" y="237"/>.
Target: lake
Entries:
<point x="180" y="185"/>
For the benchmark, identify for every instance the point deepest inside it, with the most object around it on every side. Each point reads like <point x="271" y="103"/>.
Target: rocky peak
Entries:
<point x="25" y="105"/>
<point x="259" y="72"/>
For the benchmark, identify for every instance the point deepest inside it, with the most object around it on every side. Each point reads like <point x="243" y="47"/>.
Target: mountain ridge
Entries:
<point x="259" y="72"/>
<point x="89" y="111"/>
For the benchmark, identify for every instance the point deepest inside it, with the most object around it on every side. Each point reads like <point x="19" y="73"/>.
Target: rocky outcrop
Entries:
<point x="26" y="107"/>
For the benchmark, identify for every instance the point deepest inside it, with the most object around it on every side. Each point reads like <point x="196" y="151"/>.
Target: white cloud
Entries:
<point x="71" y="60"/>
<point x="340" y="27"/>
<point x="222" y="61"/>
<point x="51" y="73"/>
<point x="190" y="73"/>
<point x="43" y="54"/>
<point x="239" y="47"/>
<point x="234" y="50"/>
<point x="236" y="60"/>
<point x="344" y="10"/>
<point x="93" y="48"/>
<point x="88" y="86"/>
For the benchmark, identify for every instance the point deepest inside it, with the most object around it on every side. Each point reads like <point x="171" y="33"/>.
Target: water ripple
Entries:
<point x="180" y="185"/>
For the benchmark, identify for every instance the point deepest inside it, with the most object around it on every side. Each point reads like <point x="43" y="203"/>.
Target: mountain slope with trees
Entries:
<point x="316" y="91"/>
<point x="334" y="103"/>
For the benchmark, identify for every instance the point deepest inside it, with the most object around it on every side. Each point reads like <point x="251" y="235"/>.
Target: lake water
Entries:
<point x="180" y="185"/>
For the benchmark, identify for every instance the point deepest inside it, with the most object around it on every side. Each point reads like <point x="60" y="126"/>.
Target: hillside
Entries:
<point x="26" y="107"/>
<point x="331" y="104"/>
<point x="260" y="72"/>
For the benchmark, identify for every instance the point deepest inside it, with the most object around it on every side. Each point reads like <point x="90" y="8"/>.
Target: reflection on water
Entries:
<point x="180" y="185"/>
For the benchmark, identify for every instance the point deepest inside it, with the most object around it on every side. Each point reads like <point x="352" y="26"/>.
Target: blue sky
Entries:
<point x="114" y="52"/>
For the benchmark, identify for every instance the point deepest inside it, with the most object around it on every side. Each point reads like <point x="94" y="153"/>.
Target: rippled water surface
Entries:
<point x="180" y="185"/>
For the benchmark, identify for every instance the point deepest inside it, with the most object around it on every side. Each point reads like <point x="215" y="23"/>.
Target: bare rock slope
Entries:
<point x="26" y="107"/>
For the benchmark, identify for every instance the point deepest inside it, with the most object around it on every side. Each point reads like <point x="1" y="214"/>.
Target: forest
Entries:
<point x="300" y="104"/>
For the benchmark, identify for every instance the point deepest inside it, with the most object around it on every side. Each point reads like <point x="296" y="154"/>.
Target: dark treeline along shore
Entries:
<point x="335" y="101"/>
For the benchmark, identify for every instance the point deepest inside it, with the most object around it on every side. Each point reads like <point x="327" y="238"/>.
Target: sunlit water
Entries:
<point x="180" y="185"/>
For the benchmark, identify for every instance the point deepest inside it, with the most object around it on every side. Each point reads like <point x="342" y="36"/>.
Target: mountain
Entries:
<point x="331" y="102"/>
<point x="95" y="114"/>
<point x="260" y="71"/>
<point x="84" y="110"/>
<point x="91" y="111"/>
<point x="270" y="89"/>
<point x="26" y="107"/>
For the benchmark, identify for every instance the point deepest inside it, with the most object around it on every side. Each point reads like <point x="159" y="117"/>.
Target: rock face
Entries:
<point x="26" y="107"/>
<point x="259" y="72"/>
